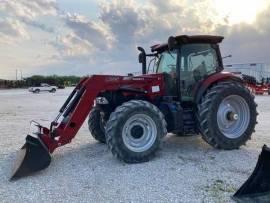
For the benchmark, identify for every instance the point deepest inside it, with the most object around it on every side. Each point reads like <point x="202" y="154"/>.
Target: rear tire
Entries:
<point x="37" y="91"/>
<point x="53" y="90"/>
<point x="96" y="126"/>
<point x="134" y="131"/>
<point x="237" y="115"/>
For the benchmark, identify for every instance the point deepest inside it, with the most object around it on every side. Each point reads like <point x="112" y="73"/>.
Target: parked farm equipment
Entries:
<point x="256" y="87"/>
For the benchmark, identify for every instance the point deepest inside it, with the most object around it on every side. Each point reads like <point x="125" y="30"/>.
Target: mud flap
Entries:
<point x="32" y="157"/>
<point x="257" y="186"/>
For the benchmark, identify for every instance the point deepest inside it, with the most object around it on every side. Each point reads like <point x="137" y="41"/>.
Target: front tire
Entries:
<point x="134" y="131"/>
<point x="96" y="125"/>
<point x="227" y="115"/>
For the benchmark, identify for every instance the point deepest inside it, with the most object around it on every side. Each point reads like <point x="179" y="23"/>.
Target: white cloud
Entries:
<point x="12" y="30"/>
<point x="96" y="33"/>
<point x="121" y="25"/>
<point x="71" y="47"/>
<point x="29" y="9"/>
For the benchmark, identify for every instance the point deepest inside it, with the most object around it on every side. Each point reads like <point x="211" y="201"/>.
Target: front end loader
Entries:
<point x="187" y="92"/>
<point x="35" y="153"/>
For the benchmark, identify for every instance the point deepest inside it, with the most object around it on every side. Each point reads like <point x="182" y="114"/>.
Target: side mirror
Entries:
<point x="171" y="43"/>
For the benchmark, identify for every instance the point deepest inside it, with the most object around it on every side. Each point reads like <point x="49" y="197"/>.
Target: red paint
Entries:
<point x="258" y="89"/>
<point x="202" y="86"/>
<point x="219" y="77"/>
<point x="66" y="131"/>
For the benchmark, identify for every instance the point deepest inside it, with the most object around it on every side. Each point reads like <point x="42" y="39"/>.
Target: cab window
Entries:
<point x="167" y="62"/>
<point x="197" y="62"/>
<point x="199" y="57"/>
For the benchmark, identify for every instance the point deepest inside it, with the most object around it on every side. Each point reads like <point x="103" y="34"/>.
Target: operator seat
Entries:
<point x="200" y="72"/>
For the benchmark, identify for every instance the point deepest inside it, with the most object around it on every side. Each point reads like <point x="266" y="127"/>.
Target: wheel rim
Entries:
<point x="233" y="116"/>
<point x="139" y="133"/>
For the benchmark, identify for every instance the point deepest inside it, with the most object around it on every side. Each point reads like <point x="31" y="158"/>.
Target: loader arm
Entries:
<point x="74" y="111"/>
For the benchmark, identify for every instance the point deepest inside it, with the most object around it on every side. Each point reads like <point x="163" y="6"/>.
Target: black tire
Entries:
<point x="37" y="91"/>
<point x="96" y="126"/>
<point x="53" y="90"/>
<point x="207" y="115"/>
<point x="118" y="119"/>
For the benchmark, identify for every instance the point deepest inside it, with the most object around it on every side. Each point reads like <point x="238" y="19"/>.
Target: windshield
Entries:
<point x="167" y="62"/>
<point x="199" y="57"/>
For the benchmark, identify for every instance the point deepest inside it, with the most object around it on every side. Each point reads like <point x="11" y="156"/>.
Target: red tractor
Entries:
<point x="187" y="94"/>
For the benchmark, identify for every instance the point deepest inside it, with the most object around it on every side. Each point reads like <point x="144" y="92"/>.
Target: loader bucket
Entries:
<point x="257" y="186"/>
<point x="32" y="157"/>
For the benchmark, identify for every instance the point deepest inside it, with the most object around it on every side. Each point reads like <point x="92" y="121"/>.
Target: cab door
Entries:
<point x="197" y="62"/>
<point x="167" y="65"/>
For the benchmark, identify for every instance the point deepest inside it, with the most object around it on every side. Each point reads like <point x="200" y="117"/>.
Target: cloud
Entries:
<point x="96" y="33"/>
<point x="124" y="18"/>
<point x="38" y="25"/>
<point x="87" y="38"/>
<point x="71" y="47"/>
<point x="11" y="30"/>
<point x="124" y="24"/>
<point x="27" y="11"/>
<point x="120" y="25"/>
<point x="248" y="42"/>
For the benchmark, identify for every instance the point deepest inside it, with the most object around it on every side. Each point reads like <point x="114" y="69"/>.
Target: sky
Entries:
<point x="81" y="37"/>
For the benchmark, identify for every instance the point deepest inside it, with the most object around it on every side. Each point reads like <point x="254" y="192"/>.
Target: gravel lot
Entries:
<point x="185" y="170"/>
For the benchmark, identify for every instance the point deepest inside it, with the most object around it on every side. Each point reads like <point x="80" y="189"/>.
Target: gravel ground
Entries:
<point x="185" y="170"/>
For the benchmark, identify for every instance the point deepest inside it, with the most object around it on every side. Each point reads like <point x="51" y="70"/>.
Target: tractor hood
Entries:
<point x="152" y="85"/>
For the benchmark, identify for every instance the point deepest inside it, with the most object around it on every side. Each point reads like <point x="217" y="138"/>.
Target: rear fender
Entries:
<point x="202" y="87"/>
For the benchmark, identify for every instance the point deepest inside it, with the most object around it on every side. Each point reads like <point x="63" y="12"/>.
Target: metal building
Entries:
<point x="257" y="70"/>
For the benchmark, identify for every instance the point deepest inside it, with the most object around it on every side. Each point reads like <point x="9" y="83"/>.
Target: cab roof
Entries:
<point x="186" y="39"/>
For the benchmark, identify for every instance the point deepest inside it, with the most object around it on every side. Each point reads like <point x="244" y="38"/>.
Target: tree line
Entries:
<point x="36" y="80"/>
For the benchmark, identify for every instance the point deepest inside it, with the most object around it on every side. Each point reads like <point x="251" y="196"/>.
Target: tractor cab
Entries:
<point x="185" y="61"/>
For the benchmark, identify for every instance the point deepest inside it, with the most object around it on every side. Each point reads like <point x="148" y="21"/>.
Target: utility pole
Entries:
<point x="16" y="73"/>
